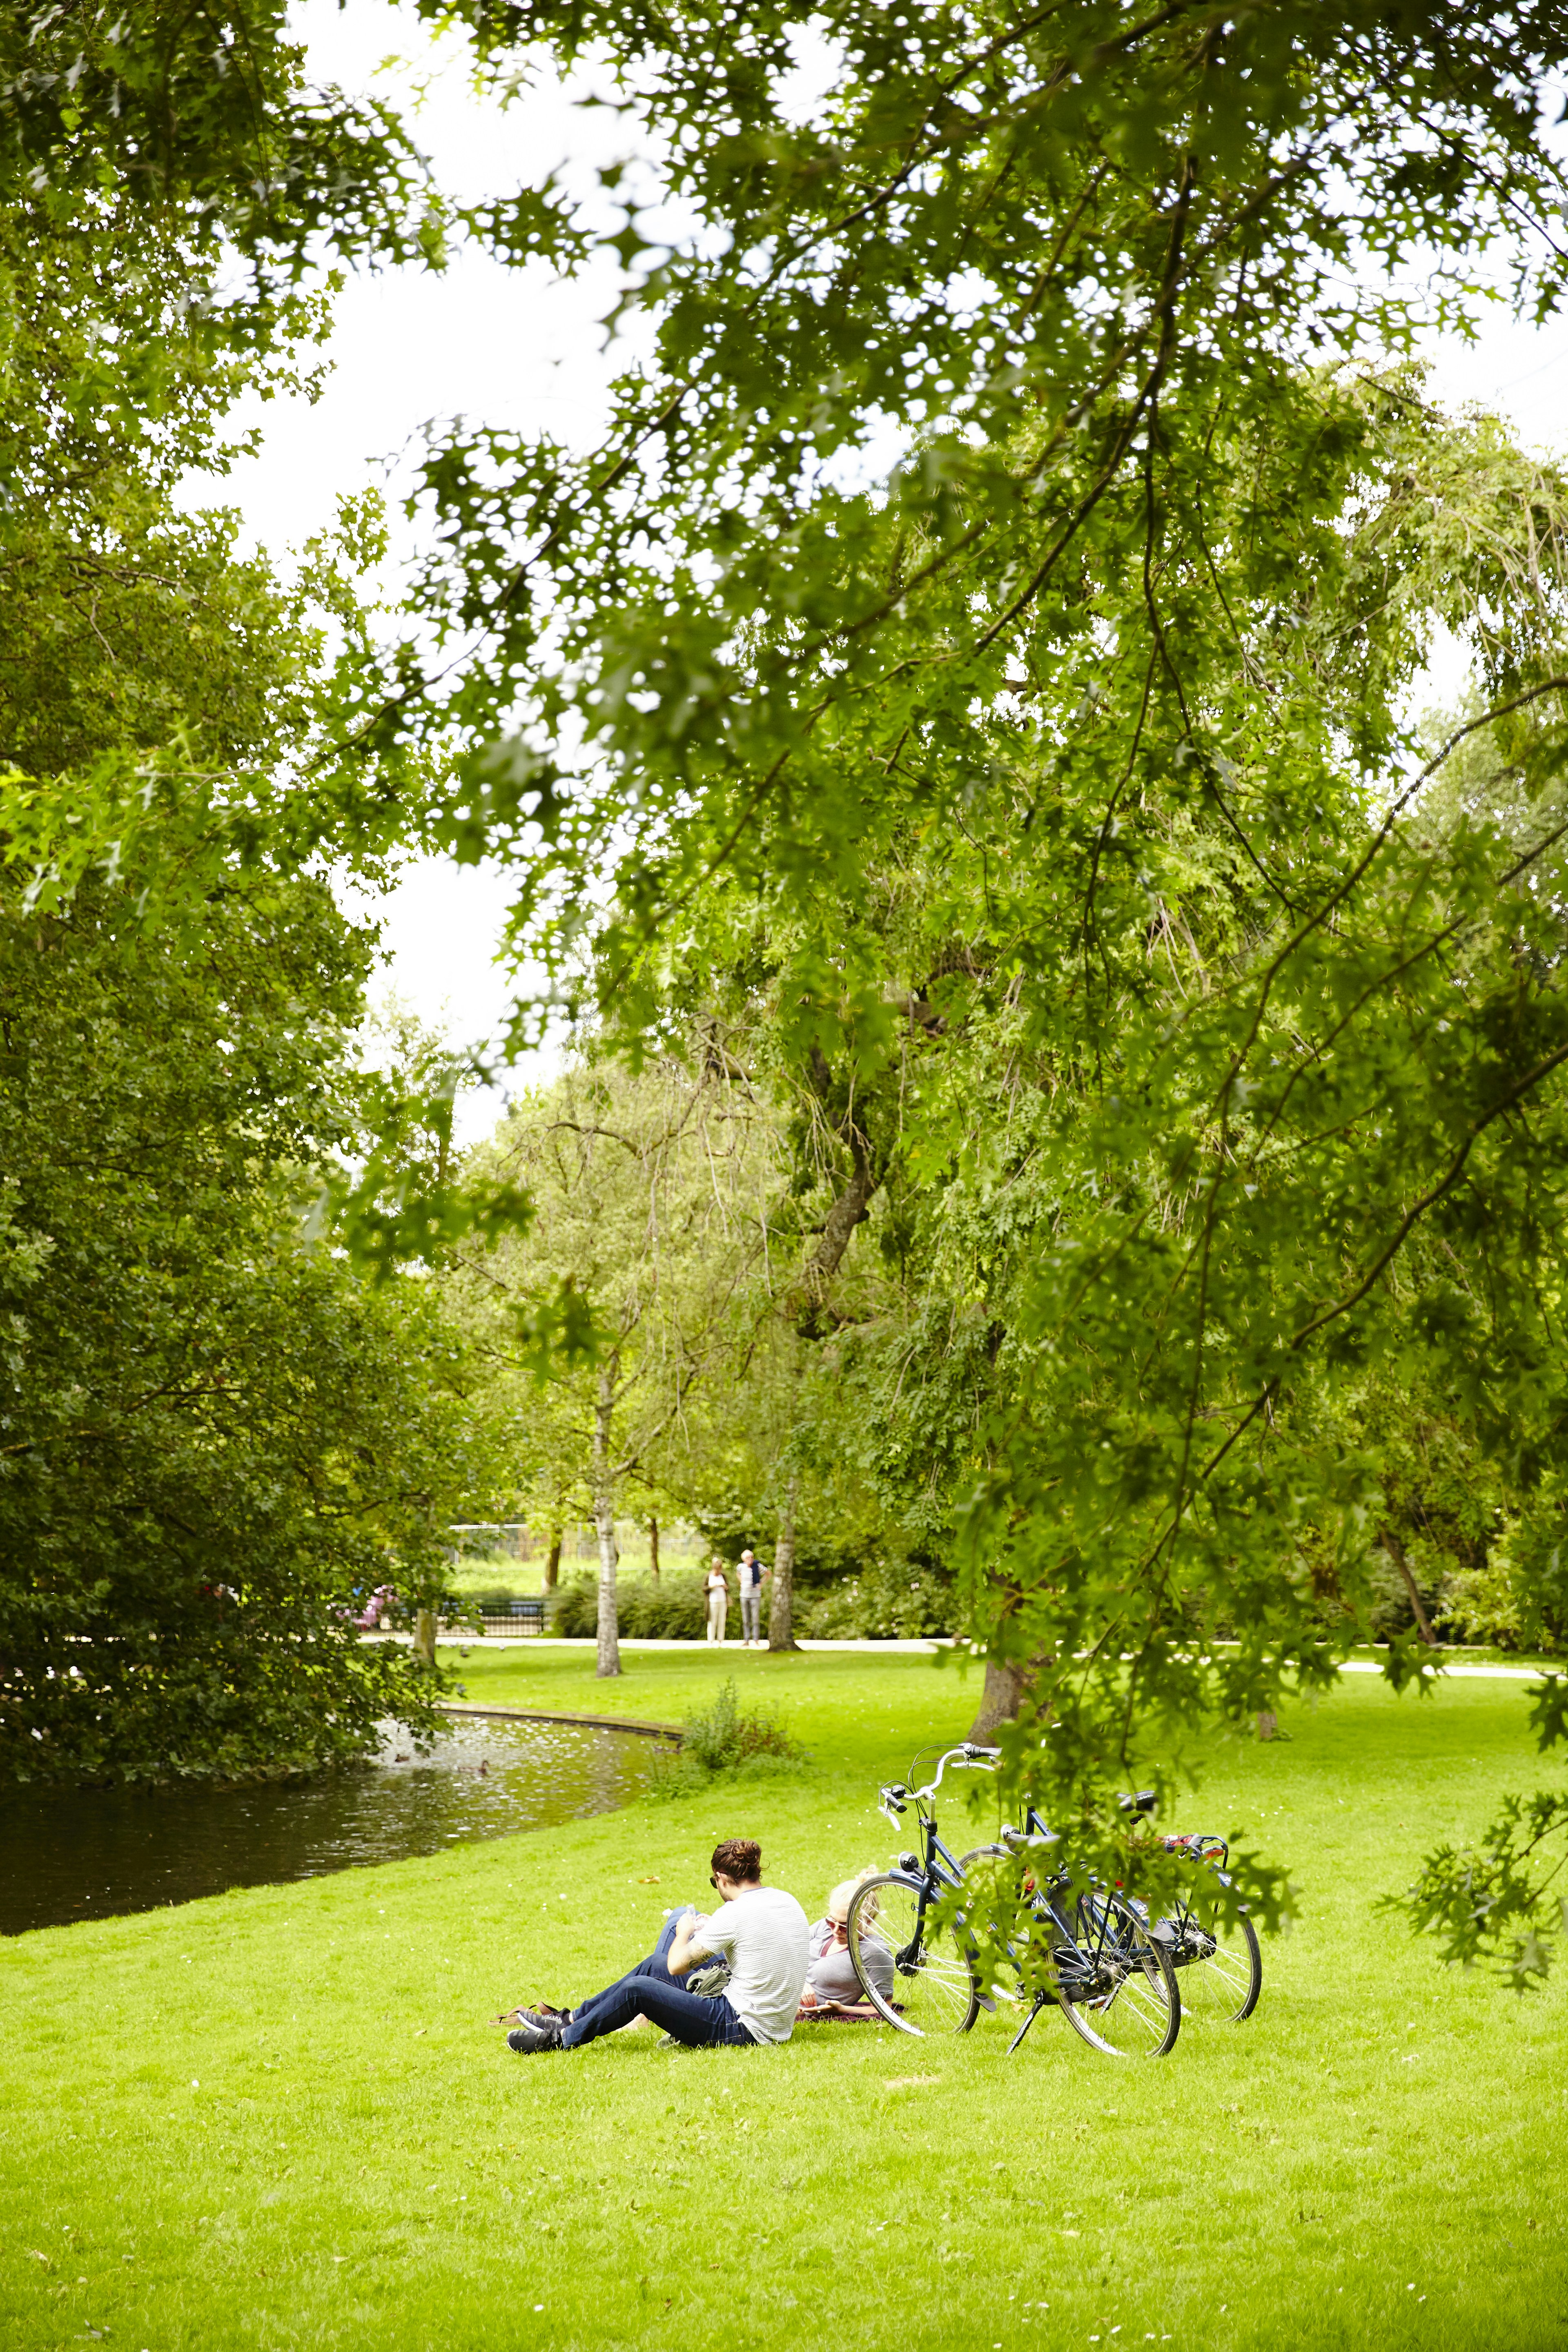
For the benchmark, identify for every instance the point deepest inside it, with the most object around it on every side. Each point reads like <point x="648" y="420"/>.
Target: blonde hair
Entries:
<point x="844" y="1894"/>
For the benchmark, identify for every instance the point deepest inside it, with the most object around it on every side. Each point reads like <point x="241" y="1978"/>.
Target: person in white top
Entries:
<point x="760" y="1931"/>
<point x="717" y="1592"/>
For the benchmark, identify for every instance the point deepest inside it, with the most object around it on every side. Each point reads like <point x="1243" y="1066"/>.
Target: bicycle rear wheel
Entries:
<point x="1218" y="1967"/>
<point x="1115" y="1982"/>
<point x="921" y="1983"/>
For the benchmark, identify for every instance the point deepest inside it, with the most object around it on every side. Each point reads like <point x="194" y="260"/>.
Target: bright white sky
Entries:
<point x="511" y="348"/>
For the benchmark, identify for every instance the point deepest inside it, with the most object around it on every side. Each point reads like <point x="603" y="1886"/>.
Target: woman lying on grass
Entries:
<point x="760" y="1931"/>
<point x="831" y="1981"/>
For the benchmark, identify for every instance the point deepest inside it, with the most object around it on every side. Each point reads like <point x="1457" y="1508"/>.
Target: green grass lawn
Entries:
<point x="278" y="2118"/>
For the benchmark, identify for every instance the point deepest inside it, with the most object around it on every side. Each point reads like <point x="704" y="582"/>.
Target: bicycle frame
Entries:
<point x="935" y="1870"/>
<point x="1082" y="1961"/>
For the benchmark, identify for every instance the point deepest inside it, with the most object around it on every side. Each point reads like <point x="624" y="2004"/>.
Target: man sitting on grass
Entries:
<point x="760" y="1930"/>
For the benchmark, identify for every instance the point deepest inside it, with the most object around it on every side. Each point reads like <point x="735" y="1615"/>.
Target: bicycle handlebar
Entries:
<point x="895" y="1798"/>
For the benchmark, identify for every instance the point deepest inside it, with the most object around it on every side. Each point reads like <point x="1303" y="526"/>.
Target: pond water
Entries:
<point x="92" y="1853"/>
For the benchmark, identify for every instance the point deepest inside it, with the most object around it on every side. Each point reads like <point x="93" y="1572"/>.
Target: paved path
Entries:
<point x="1489" y="1672"/>
<point x="586" y="1641"/>
<point x="1458" y="1669"/>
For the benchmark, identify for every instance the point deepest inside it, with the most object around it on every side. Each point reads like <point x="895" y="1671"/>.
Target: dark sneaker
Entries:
<point x="527" y="2038"/>
<point x="543" y="2012"/>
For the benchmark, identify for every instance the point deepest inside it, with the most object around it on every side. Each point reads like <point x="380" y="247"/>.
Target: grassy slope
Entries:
<point x="361" y="2165"/>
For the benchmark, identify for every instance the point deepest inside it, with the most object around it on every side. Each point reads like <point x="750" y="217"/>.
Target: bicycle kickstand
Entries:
<point x="1040" y="2004"/>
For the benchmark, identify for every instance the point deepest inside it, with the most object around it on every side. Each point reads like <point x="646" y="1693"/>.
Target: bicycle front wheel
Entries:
<point x="920" y="1982"/>
<point x="1116" y="1983"/>
<point x="1218" y="1967"/>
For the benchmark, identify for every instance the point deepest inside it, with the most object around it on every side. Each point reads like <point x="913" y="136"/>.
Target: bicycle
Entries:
<point x="1106" y="1963"/>
<point x="935" y="1989"/>
<point x="1220" y="1968"/>
<point x="1110" y="1970"/>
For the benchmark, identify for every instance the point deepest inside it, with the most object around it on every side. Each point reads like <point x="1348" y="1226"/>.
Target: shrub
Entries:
<point x="648" y="1609"/>
<point x="724" y="1734"/>
<point x="746" y="1742"/>
<point x="573" y="1611"/>
<point x="1481" y="1602"/>
<point x="889" y="1600"/>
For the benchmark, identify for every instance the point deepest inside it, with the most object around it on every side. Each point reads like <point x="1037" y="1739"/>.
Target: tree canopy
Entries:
<point x="973" y="683"/>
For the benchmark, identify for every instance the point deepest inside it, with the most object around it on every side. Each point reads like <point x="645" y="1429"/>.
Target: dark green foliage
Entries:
<point x="669" y="1608"/>
<point x="882" y="1598"/>
<point x="1501" y="1902"/>
<point x="211" y="1437"/>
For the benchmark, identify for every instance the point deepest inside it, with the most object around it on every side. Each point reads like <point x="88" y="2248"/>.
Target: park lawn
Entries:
<point x="860" y="1713"/>
<point x="279" y="2119"/>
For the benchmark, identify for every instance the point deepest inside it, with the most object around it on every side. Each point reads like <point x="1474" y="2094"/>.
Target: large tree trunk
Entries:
<point x="780" y="1611"/>
<point x="1396" y="1550"/>
<point x="552" y="1559"/>
<point x="605" y="1523"/>
<point x="424" y="1636"/>
<point x="652" y="1544"/>
<point x="1008" y="1681"/>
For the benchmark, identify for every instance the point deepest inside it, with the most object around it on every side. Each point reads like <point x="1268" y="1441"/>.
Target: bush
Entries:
<point x="573" y="1611"/>
<point x="724" y="1735"/>
<point x="746" y="1743"/>
<point x="1481" y="1602"/>
<point x="889" y="1600"/>
<point x="649" y="1609"/>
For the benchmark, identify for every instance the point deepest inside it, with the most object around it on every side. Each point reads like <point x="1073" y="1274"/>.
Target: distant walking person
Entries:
<point x="718" y="1591"/>
<point x="753" y="1576"/>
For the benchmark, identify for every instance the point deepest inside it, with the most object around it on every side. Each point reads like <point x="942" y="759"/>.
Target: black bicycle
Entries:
<point x="914" y="1953"/>
<point x="1094" y="1955"/>
<point x="916" y="1973"/>
<point x="1218" y="1963"/>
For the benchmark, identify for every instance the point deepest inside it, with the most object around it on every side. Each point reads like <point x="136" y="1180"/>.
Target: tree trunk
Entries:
<point x="424" y="1636"/>
<point x="1396" y="1550"/>
<point x="652" y="1544"/>
<point x="605" y="1523"/>
<point x="552" y="1562"/>
<point x="1008" y="1681"/>
<point x="781" y="1610"/>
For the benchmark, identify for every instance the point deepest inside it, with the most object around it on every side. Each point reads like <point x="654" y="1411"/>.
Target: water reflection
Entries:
<point x="92" y="1854"/>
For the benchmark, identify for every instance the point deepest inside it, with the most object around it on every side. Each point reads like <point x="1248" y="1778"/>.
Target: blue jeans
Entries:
<point x="651" y="1990"/>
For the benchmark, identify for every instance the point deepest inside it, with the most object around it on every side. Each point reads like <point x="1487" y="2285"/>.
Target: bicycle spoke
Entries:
<point x="1118" y="1987"/>
<point x="1220" y="1969"/>
<point x="920" y="1982"/>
